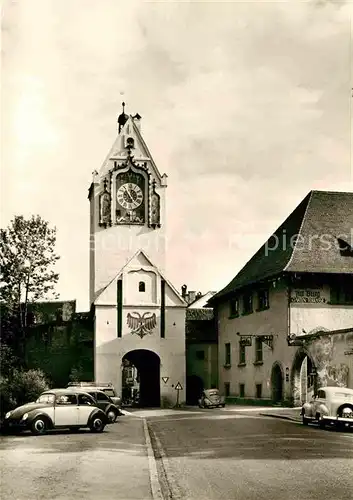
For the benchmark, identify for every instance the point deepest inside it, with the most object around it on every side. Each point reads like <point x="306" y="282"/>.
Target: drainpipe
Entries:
<point x="209" y="362"/>
<point x="288" y="391"/>
<point x="289" y="292"/>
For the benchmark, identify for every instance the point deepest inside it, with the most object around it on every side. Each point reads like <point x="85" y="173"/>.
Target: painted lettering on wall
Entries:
<point x="307" y="297"/>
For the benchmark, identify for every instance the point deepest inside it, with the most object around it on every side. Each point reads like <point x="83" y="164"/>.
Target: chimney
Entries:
<point x="183" y="291"/>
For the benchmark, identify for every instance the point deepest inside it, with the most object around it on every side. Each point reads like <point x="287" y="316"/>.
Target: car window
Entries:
<point x="85" y="399"/>
<point x="46" y="398"/>
<point x="93" y="394"/>
<point x="102" y="397"/>
<point x="321" y="394"/>
<point x="66" y="399"/>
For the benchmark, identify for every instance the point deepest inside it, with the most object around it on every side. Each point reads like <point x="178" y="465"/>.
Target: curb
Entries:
<point x="124" y="412"/>
<point x="283" y="417"/>
<point x="152" y="465"/>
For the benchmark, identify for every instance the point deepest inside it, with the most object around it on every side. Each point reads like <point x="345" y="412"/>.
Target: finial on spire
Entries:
<point x="122" y="119"/>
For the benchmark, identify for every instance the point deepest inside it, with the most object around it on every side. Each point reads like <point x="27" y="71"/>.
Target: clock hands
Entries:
<point x="129" y="194"/>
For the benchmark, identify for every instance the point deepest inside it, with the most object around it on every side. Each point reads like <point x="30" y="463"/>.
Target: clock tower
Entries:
<point x="139" y="316"/>
<point x="127" y="198"/>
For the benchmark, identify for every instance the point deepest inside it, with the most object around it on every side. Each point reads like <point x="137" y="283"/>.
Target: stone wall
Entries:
<point x="60" y="342"/>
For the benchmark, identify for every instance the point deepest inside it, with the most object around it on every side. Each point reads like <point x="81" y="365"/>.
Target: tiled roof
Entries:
<point x="199" y="314"/>
<point x="316" y="224"/>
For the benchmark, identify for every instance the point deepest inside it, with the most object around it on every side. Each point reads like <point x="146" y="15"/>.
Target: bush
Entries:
<point x="76" y="374"/>
<point x="21" y="387"/>
<point x="7" y="360"/>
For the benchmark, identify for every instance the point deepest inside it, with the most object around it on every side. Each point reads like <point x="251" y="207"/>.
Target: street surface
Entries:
<point x="200" y="455"/>
<point x="82" y="465"/>
<point x="216" y="454"/>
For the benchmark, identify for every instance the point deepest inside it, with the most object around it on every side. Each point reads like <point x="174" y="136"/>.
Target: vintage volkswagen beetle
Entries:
<point x="331" y="406"/>
<point x="57" y="408"/>
<point x="211" y="398"/>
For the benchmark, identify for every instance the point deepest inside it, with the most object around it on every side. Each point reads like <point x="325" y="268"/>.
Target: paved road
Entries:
<point x="213" y="454"/>
<point x="205" y="454"/>
<point x="64" y="466"/>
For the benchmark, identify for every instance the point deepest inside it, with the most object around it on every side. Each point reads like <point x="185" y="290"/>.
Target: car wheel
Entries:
<point x="305" y="420"/>
<point x="39" y="426"/>
<point x="112" y="415"/>
<point x="97" y="425"/>
<point x="346" y="411"/>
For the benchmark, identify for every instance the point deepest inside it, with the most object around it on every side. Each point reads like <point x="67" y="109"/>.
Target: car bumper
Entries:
<point x="14" y="425"/>
<point x="337" y="420"/>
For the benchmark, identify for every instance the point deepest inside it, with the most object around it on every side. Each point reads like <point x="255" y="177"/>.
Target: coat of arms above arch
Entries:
<point x="141" y="325"/>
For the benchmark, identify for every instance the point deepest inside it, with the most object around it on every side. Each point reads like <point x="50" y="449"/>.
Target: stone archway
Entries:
<point x="145" y="373"/>
<point x="303" y="377"/>
<point x="277" y="383"/>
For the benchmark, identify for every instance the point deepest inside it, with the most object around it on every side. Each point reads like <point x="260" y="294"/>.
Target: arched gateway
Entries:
<point x="304" y="377"/>
<point x="141" y="377"/>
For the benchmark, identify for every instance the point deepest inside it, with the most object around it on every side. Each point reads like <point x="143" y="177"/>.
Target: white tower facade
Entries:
<point x="139" y="315"/>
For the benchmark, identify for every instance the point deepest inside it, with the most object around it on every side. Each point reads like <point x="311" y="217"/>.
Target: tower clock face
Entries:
<point x="129" y="196"/>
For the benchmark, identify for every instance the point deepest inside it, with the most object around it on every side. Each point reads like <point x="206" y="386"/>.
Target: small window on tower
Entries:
<point x="142" y="286"/>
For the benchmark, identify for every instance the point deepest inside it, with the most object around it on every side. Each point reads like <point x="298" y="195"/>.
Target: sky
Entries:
<point x="245" y="106"/>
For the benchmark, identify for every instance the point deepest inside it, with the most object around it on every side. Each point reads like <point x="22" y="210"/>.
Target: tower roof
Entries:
<point x="129" y="127"/>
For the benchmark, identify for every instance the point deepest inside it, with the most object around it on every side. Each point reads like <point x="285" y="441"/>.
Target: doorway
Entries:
<point x="304" y="378"/>
<point x="277" y="383"/>
<point x="194" y="388"/>
<point x="141" y="378"/>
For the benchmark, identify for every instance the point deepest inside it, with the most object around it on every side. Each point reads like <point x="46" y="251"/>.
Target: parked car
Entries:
<point x="107" y="388"/>
<point x="211" y="398"/>
<point x="103" y="402"/>
<point x="57" y="408"/>
<point x="331" y="406"/>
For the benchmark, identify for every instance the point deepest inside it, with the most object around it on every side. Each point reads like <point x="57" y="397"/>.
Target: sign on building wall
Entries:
<point x="308" y="297"/>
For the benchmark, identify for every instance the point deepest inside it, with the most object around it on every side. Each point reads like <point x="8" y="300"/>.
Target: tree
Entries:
<point x="27" y="258"/>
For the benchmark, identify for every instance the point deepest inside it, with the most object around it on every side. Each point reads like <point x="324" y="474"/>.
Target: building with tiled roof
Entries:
<point x="299" y="282"/>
